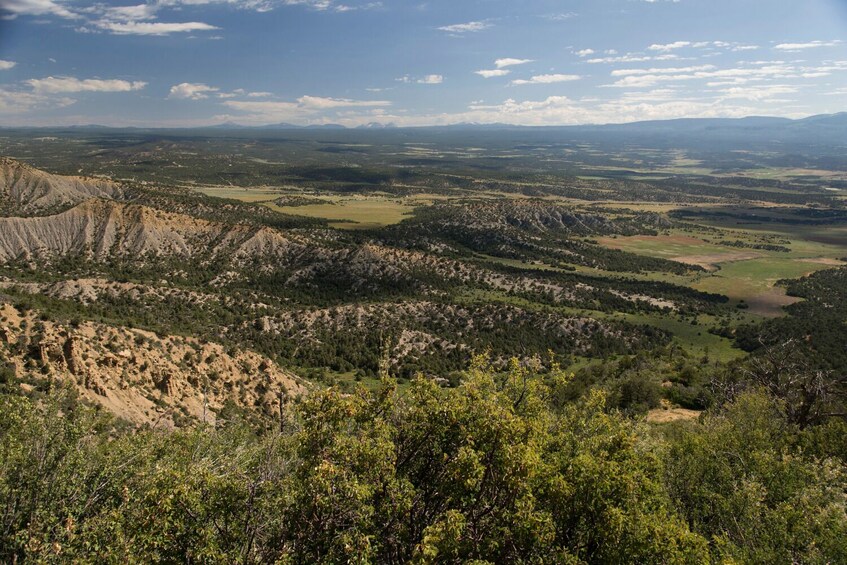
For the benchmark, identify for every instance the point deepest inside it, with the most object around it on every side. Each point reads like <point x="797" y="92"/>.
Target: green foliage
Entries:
<point x="496" y="470"/>
<point x="740" y="482"/>
<point x="486" y="471"/>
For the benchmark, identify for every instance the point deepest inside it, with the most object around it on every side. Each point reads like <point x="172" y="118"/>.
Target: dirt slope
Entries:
<point x="26" y="191"/>
<point x="102" y="228"/>
<point x="138" y="375"/>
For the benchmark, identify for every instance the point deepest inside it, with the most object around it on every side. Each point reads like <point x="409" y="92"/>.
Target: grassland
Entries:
<point x="746" y="275"/>
<point x="359" y="212"/>
<point x="343" y="212"/>
<point x="743" y="201"/>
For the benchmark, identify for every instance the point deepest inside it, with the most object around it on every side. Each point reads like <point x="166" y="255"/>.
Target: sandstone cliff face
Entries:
<point x="28" y="191"/>
<point x="140" y="376"/>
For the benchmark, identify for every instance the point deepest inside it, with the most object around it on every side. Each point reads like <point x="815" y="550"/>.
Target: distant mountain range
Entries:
<point x="823" y="131"/>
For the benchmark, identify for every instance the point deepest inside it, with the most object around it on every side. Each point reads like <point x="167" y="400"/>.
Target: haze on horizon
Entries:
<point x="353" y="62"/>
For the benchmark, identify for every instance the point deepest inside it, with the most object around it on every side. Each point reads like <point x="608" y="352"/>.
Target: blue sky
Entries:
<point x="530" y="62"/>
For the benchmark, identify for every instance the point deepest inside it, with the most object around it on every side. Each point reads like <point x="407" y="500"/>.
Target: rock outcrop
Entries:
<point x="26" y="191"/>
<point x="140" y="376"/>
<point x="102" y="229"/>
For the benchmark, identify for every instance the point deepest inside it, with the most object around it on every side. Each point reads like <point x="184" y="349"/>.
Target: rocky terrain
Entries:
<point x="165" y="306"/>
<point x="100" y="229"/>
<point x="138" y="375"/>
<point x="25" y="190"/>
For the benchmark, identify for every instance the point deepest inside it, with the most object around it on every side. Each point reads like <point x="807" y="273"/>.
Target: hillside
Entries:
<point x="465" y="367"/>
<point x="100" y="229"/>
<point x="138" y="375"/>
<point x="26" y="191"/>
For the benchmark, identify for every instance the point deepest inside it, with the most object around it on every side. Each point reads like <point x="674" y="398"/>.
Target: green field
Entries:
<point x="743" y="274"/>
<point x="353" y="213"/>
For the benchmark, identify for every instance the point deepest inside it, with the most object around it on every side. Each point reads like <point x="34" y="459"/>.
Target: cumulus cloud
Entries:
<point x="124" y="13"/>
<point x="36" y="8"/>
<point x="756" y="71"/>
<point x="468" y="27"/>
<point x="633" y="58"/>
<point x="546" y="79"/>
<point x="153" y="28"/>
<point x="428" y="79"/>
<point x="348" y="8"/>
<point x="202" y="91"/>
<point x="17" y="102"/>
<point x="319" y="103"/>
<point x="669" y="46"/>
<point x="141" y="19"/>
<point x="585" y="52"/>
<point x="510" y="62"/>
<point x="191" y="91"/>
<point x="303" y="109"/>
<point x="664" y="70"/>
<point x="656" y="104"/>
<point x="6" y="65"/>
<point x="53" y="85"/>
<point x="808" y="45"/>
<point x="560" y="16"/>
<point x="431" y="79"/>
<point x="491" y="73"/>
<point x="758" y="93"/>
<point x="561" y="110"/>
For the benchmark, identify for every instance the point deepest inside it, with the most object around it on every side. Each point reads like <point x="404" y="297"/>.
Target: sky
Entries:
<point x="183" y="63"/>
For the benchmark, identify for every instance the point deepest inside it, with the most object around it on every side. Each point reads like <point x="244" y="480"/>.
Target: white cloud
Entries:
<point x="257" y="5"/>
<point x="319" y="103"/>
<point x="54" y="85"/>
<point x="314" y="4"/>
<point x="466" y="27"/>
<point x="491" y="73"/>
<point x="561" y="110"/>
<point x="201" y="91"/>
<point x="268" y="5"/>
<point x="153" y="28"/>
<point x="633" y="58"/>
<point x="658" y="104"/>
<point x="125" y="13"/>
<point x="653" y="96"/>
<point x="666" y="70"/>
<point x="808" y="45"/>
<point x="431" y="79"/>
<point x="305" y="108"/>
<point x="561" y="16"/>
<point x="428" y="79"/>
<point x="585" y="52"/>
<point x="16" y="102"/>
<point x="758" y="93"/>
<point x="348" y="8"/>
<point x="669" y="46"/>
<point x="6" y="65"/>
<point x="37" y="8"/>
<point x="546" y="79"/>
<point x="191" y="91"/>
<point x="510" y="62"/>
<point x="756" y="71"/>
